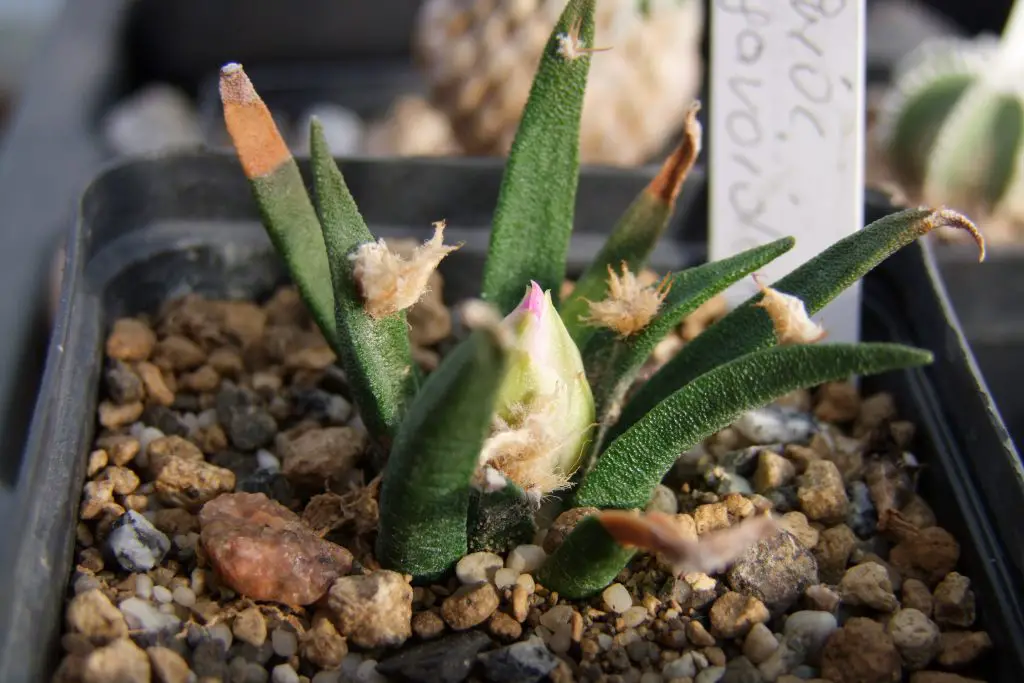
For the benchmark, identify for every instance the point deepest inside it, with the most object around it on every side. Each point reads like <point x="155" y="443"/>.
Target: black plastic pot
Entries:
<point x="160" y="227"/>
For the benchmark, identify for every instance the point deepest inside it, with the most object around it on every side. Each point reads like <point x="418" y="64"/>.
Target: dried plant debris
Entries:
<point x="390" y="282"/>
<point x="570" y="45"/>
<point x="789" y="316"/>
<point x="836" y="568"/>
<point x="630" y="305"/>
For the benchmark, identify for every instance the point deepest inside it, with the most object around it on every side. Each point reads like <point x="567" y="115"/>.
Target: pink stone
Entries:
<point x="263" y="551"/>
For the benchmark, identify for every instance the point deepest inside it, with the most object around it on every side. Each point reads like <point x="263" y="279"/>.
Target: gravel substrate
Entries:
<point x="226" y="533"/>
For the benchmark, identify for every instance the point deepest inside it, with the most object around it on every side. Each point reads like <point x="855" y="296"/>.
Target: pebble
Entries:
<point x="190" y="484"/>
<point x="862" y="515"/>
<point x="168" y="666"/>
<point x="136" y="544"/>
<point x="122" y="661"/>
<point x="733" y="614"/>
<point x="959" y="648"/>
<point x="822" y="492"/>
<point x="156" y="118"/>
<point x="93" y="615"/>
<point x="374" y="610"/>
<point x="664" y="500"/>
<point x="367" y="673"/>
<point x="759" y="644"/>
<point x="162" y="594"/>
<point x="250" y="627"/>
<point x="563" y="526"/>
<point x="711" y="674"/>
<point x="479" y="567"/>
<point x="776" y="570"/>
<point x="284" y="642"/>
<point x="267" y="461"/>
<point x="427" y="625"/>
<point x="916" y="637"/>
<point x="616" y="598"/>
<point x="526" y="559"/>
<point x="833" y="550"/>
<point x="822" y="598"/>
<point x="130" y="339"/>
<point x="263" y="550"/>
<point x="504" y="628"/>
<point x="796" y="523"/>
<point x="683" y="667"/>
<point x="143" y="586"/>
<point x="809" y="630"/>
<point x="284" y="673"/>
<point x="635" y="616"/>
<point x="142" y="615"/>
<point x="861" y="652"/>
<point x="469" y="606"/>
<point x="775" y="424"/>
<point x="97" y="497"/>
<point x="320" y="455"/>
<point x="953" y="602"/>
<point x="322" y="645"/>
<point x="741" y="670"/>
<point x="928" y="555"/>
<point x="221" y="632"/>
<point x="917" y="596"/>
<point x="447" y="660"/>
<point x="773" y="471"/>
<point x="505" y="578"/>
<point x="868" y="584"/>
<point x="527" y="661"/>
<point x="326" y="677"/>
<point x="697" y="634"/>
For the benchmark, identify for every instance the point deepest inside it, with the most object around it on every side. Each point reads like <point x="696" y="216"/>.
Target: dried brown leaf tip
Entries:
<point x="630" y="305"/>
<point x="789" y="316"/>
<point x="673" y="173"/>
<point x="711" y="553"/>
<point x="390" y="282"/>
<point x="570" y="47"/>
<point x="261" y="149"/>
<point x="947" y="218"/>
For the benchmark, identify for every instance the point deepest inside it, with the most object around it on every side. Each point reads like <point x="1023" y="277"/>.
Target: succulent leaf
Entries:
<point x="637" y="231"/>
<point x="545" y="409"/>
<point x="612" y="362"/>
<point x="627" y="472"/>
<point x="425" y="492"/>
<point x="374" y="353"/>
<point x="749" y="328"/>
<point x="587" y="560"/>
<point x="534" y="216"/>
<point x="285" y="207"/>
<point x="500" y="520"/>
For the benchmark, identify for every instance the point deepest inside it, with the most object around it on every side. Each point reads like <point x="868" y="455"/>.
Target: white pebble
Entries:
<point x="167" y="608"/>
<point x="605" y="641"/>
<point x="338" y="410"/>
<point x="284" y="673"/>
<point x="286" y="643"/>
<point x="265" y="460"/>
<point x="198" y="581"/>
<point x="634" y="616"/>
<point x="527" y="582"/>
<point x="327" y="677"/>
<point x="146" y="437"/>
<point x="557" y="616"/>
<point x="712" y="674"/>
<point x="505" y="578"/>
<point x="561" y="639"/>
<point x="222" y="632"/>
<point x="191" y="421"/>
<point x="207" y="418"/>
<point x="478" y="567"/>
<point x="367" y="673"/>
<point x="526" y="558"/>
<point x="162" y="594"/>
<point x="680" y="668"/>
<point x="616" y="598"/>
<point x="143" y="586"/>
<point x="184" y="596"/>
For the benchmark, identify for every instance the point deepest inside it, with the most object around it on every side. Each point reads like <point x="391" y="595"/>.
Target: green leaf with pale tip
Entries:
<point x="612" y="362"/>
<point x="500" y="520"/>
<point x="748" y="328"/>
<point x="425" y="492"/>
<point x="375" y="354"/>
<point x="585" y="563"/>
<point x="627" y="472"/>
<point x="293" y="227"/>
<point x="534" y="216"/>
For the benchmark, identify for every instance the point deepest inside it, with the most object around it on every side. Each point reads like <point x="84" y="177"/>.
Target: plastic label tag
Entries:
<point x="787" y="136"/>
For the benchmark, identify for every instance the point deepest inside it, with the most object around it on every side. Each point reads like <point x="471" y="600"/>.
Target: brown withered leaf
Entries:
<point x="711" y="553"/>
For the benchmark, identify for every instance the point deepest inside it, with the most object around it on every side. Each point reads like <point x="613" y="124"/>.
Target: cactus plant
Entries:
<point x="952" y="125"/>
<point x="533" y="403"/>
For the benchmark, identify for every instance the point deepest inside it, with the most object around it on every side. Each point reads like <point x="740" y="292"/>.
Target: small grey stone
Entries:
<point x="135" y="543"/>
<point x="151" y="626"/>
<point x="322" y="406"/>
<point x="741" y="670"/>
<point x="776" y="570"/>
<point x="123" y="385"/>
<point x="805" y="671"/>
<point x="523" y="662"/>
<point x="862" y="517"/>
<point x="712" y="674"/>
<point x="273" y="485"/>
<point x="251" y="428"/>
<point x="242" y="464"/>
<point x="169" y="422"/>
<point x="744" y="460"/>
<point x="448" y="660"/>
<point x="209" y="659"/>
<point x="680" y="668"/>
<point x="788" y="656"/>
<point x="784" y="499"/>
<point x="776" y="424"/>
<point x="811" y="629"/>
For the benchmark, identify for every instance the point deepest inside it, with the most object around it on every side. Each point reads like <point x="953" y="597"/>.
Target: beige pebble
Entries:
<point x="469" y="606"/>
<point x="917" y="596"/>
<point x="697" y="634"/>
<point x="322" y="645"/>
<point x="479" y="567"/>
<point x="796" y="523"/>
<point x="120" y="447"/>
<point x="520" y="602"/>
<point x="427" y="625"/>
<point x="868" y="584"/>
<point x="822" y="492"/>
<point x="958" y="648"/>
<point x="97" y="461"/>
<point x="190" y="484"/>
<point x="156" y="386"/>
<point x="374" y="610"/>
<point x="733" y="614"/>
<point x="93" y="615"/>
<point x="861" y="652"/>
<point x="773" y="471"/>
<point x="125" y="481"/>
<point x="97" y="496"/>
<point x="120" y="662"/>
<point x="916" y="637"/>
<point x="954" y="603"/>
<point x="759" y="644"/>
<point x="168" y="666"/>
<point x="114" y="416"/>
<point x="504" y="627"/>
<point x="710" y="517"/>
<point x="249" y="626"/>
<point x="130" y="339"/>
<point x="616" y="598"/>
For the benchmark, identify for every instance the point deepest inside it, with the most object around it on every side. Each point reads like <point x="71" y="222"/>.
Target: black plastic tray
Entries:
<point x="160" y="227"/>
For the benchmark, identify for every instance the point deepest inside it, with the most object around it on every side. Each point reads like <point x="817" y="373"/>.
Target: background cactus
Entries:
<point x="952" y="125"/>
<point x="438" y="499"/>
<point x="478" y="57"/>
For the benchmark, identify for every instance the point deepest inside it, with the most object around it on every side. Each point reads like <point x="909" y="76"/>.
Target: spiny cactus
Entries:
<point x="952" y="125"/>
<point x="533" y="403"/>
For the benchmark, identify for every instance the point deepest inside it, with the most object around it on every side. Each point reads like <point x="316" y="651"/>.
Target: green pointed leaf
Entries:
<point x="627" y="472"/>
<point x="818" y="281"/>
<point x="425" y="492"/>
<point x="587" y="561"/>
<point x="500" y="520"/>
<point x="637" y="231"/>
<point x="534" y="216"/>
<point x="612" y="362"/>
<point x="284" y="205"/>
<point x="375" y="354"/>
